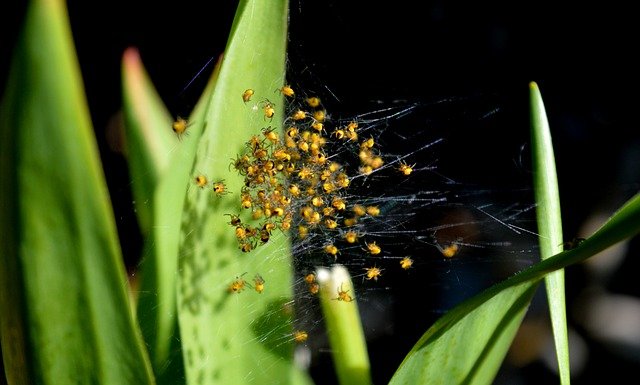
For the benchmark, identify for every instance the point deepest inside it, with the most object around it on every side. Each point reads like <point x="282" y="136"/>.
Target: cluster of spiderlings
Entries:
<point x="290" y="175"/>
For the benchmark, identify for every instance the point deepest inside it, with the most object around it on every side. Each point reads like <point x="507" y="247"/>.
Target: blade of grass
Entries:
<point x="547" y="197"/>
<point x="64" y="308"/>
<point x="243" y="337"/>
<point x="346" y="337"/>
<point x="443" y="345"/>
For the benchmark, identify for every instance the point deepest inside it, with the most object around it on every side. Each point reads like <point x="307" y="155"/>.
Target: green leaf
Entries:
<point x="159" y="164"/>
<point x="244" y="337"/>
<point x="148" y="132"/>
<point x="64" y="308"/>
<point x="467" y="345"/>
<point x="545" y="184"/>
<point x="346" y="337"/>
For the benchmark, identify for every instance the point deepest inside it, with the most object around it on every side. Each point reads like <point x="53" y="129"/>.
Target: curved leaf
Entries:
<point x="148" y="132"/>
<point x="157" y="311"/>
<point x="64" y="308"/>
<point x="545" y="184"/>
<point x="471" y="358"/>
<point x="242" y="337"/>
<point x="159" y="162"/>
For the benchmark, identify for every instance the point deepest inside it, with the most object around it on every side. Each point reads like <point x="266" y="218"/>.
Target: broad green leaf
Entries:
<point x="244" y="337"/>
<point x="148" y="132"/>
<point x="346" y="337"/>
<point x="468" y="344"/>
<point x="64" y="309"/>
<point x="475" y="358"/>
<point x="545" y="183"/>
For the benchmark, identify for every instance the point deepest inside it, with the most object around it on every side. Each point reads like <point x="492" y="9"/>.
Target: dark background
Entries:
<point x="470" y="57"/>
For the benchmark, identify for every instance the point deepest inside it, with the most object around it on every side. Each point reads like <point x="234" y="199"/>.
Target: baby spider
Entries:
<point x="180" y="126"/>
<point x="247" y="94"/>
<point x="339" y="134"/>
<point x="343" y="295"/>
<point x="313" y="102"/>
<point x="373" y="248"/>
<point x="319" y="116"/>
<point x="314" y="288"/>
<point x="270" y="134"/>
<point x="373" y="273"/>
<point x="331" y="250"/>
<point x="244" y="232"/>
<point x="351" y="236"/>
<point x="268" y="109"/>
<point x="310" y="278"/>
<point x="374" y="211"/>
<point x="258" y="283"/>
<point x="300" y="336"/>
<point x="220" y="188"/>
<point x="350" y="221"/>
<point x="339" y="204"/>
<point x="406" y="263"/>
<point x="245" y="201"/>
<point x="246" y="246"/>
<point x="359" y="210"/>
<point x="201" y="181"/>
<point x="450" y="250"/>
<point x="264" y="236"/>
<point x="405" y="169"/>
<point x="367" y="144"/>
<point x="299" y="115"/>
<point x="318" y="126"/>
<point x="238" y="285"/>
<point x="235" y="220"/>
<point x="287" y="91"/>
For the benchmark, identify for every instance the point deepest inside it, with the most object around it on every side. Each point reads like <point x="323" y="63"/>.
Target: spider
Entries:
<point x="343" y="295"/>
